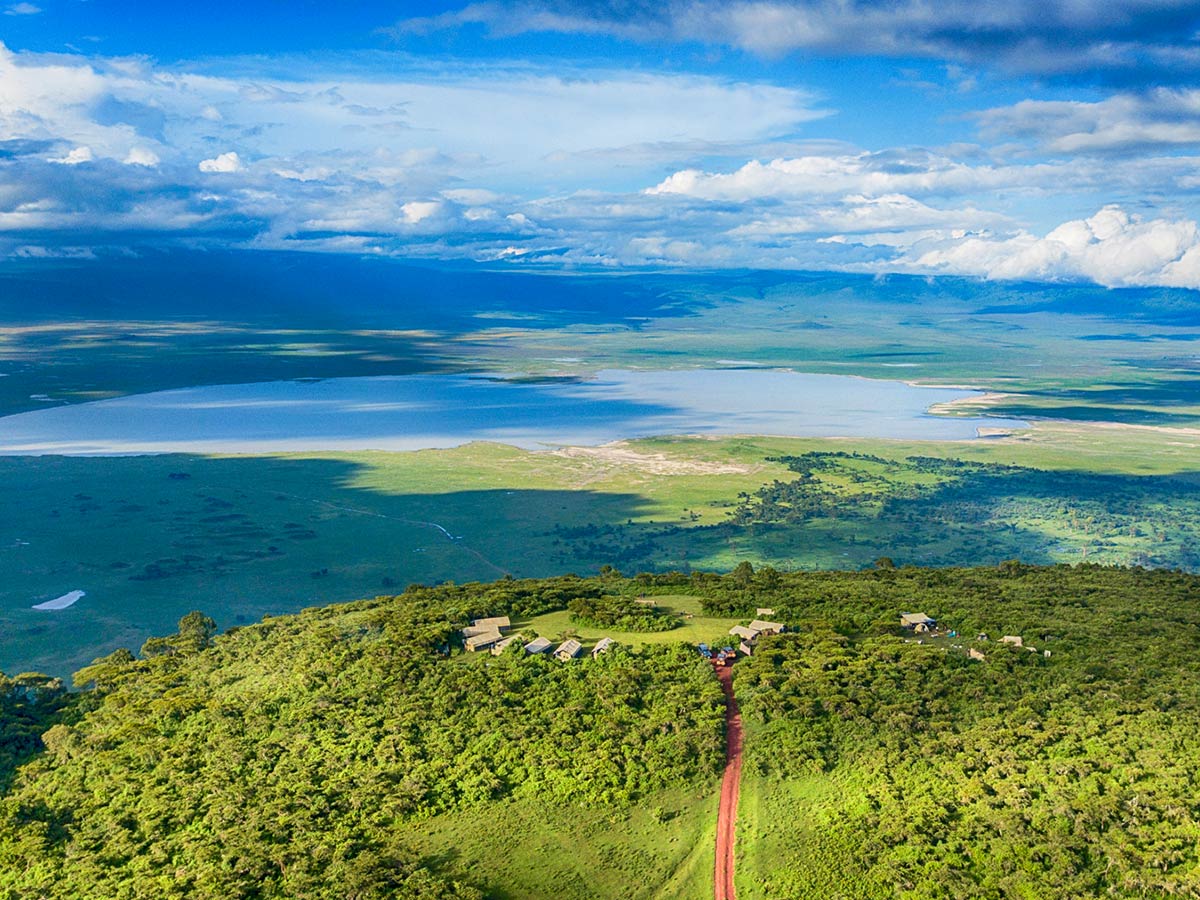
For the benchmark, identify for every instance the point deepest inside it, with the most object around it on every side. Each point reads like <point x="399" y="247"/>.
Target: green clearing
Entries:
<point x="785" y="823"/>
<point x="695" y="627"/>
<point x="529" y="850"/>
<point x="244" y="537"/>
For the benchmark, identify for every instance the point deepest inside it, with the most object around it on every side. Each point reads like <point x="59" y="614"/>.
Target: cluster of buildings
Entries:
<point x="747" y="635"/>
<point x="490" y="634"/>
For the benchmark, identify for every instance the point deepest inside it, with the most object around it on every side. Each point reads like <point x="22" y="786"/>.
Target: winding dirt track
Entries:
<point x="727" y="817"/>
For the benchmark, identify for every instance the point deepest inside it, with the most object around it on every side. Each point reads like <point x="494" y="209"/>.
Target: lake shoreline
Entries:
<point x="416" y="412"/>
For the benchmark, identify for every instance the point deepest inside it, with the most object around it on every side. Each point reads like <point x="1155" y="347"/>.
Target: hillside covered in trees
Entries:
<point x="325" y="754"/>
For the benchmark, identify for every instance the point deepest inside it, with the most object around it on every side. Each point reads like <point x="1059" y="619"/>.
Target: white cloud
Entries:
<point x="1162" y="118"/>
<point x="1111" y="248"/>
<point x="75" y="156"/>
<point x="224" y="163"/>
<point x="859" y="214"/>
<point x="141" y="156"/>
<point x="418" y="211"/>
<point x="22" y="9"/>
<point x="871" y="175"/>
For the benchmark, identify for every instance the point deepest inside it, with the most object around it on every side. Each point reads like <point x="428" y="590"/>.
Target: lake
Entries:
<point x="412" y="412"/>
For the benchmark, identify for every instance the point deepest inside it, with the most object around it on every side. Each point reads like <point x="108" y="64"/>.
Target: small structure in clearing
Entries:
<point x="568" y="649"/>
<point x="502" y="645"/>
<point x="764" y="611"/>
<point x="917" y="621"/>
<point x="602" y="646"/>
<point x="476" y="642"/>
<point x="500" y="623"/>
<point x="976" y="654"/>
<point x="764" y="627"/>
<point x="1014" y="639"/>
<point x="746" y="634"/>
<point x="538" y="645"/>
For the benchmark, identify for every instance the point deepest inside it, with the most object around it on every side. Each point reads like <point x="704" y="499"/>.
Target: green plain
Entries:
<point x="243" y="537"/>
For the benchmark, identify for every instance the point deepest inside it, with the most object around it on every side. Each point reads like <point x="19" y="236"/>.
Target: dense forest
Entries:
<point x="930" y="510"/>
<point x="275" y="761"/>
<point x="1068" y="767"/>
<point x="842" y="509"/>
<point x="282" y="759"/>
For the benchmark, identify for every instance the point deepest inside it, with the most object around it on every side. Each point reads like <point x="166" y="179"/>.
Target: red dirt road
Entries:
<point x="727" y="817"/>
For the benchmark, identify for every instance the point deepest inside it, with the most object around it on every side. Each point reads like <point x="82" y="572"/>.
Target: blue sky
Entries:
<point x="1054" y="140"/>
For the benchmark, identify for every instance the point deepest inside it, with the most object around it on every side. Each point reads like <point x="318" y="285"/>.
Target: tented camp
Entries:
<point x="764" y="627"/>
<point x="538" y="645"/>
<point x="917" y="621"/>
<point x="472" y="630"/>
<point x="499" y="623"/>
<point x="502" y="645"/>
<point x="568" y="649"/>
<point x="476" y="642"/>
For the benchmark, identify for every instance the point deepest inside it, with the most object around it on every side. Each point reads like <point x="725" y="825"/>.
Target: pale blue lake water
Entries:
<point x="424" y="411"/>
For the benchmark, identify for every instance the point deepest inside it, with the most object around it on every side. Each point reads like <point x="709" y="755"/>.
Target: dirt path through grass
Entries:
<point x="727" y="816"/>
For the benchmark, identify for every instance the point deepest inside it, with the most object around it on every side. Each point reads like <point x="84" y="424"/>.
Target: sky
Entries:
<point x="1056" y="140"/>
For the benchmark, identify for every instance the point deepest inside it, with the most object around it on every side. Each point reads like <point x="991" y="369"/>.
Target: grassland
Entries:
<point x="243" y="537"/>
<point x="694" y="626"/>
<point x="526" y="850"/>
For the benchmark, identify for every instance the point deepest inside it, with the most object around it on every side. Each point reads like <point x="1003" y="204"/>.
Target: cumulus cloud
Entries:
<point x="1052" y="37"/>
<point x="224" y="163"/>
<point x="869" y="174"/>
<point x="1112" y="248"/>
<point x="75" y="156"/>
<point x="417" y="211"/>
<point x="141" y="156"/>
<point x="22" y="9"/>
<point x="520" y="164"/>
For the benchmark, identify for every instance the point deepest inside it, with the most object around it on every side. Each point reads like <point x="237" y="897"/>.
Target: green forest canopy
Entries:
<point x="283" y="759"/>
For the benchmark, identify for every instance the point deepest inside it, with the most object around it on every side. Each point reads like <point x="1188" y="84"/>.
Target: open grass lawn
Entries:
<point x="661" y="849"/>
<point x="800" y="821"/>
<point x="694" y="627"/>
